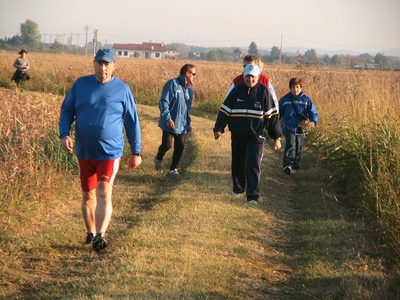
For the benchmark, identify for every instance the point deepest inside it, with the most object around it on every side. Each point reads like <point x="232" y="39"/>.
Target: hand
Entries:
<point x="306" y="125"/>
<point x="170" y="123"/>
<point x="189" y="128"/>
<point x="278" y="144"/>
<point x="218" y="135"/>
<point x="68" y="144"/>
<point x="134" y="161"/>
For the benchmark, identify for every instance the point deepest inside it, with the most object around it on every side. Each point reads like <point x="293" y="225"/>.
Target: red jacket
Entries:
<point x="263" y="79"/>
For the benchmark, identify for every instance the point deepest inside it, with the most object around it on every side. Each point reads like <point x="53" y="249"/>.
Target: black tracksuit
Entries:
<point x="250" y="114"/>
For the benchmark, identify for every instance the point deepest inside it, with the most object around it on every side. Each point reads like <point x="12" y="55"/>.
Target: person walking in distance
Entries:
<point x="175" y="104"/>
<point x="250" y="113"/>
<point x="22" y="66"/>
<point x="103" y="109"/>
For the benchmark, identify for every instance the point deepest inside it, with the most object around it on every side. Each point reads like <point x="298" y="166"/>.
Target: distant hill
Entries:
<point x="293" y="50"/>
<point x="286" y="50"/>
<point x="392" y="52"/>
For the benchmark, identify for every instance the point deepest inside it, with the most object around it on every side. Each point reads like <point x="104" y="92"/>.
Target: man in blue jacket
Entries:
<point x="101" y="106"/>
<point x="295" y="108"/>
<point x="175" y="104"/>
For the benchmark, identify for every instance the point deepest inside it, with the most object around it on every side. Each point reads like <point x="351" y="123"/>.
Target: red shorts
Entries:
<point x="91" y="171"/>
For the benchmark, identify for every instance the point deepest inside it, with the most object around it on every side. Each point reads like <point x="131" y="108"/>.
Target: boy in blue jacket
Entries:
<point x="295" y="108"/>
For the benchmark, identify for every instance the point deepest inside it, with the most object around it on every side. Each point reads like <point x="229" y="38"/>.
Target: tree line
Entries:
<point x="310" y="57"/>
<point x="30" y="38"/>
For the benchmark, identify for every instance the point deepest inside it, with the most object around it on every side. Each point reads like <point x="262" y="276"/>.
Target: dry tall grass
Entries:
<point x="357" y="136"/>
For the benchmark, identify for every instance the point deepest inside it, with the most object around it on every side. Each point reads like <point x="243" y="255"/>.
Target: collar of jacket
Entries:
<point x="296" y="97"/>
<point x="183" y="82"/>
<point x="252" y="88"/>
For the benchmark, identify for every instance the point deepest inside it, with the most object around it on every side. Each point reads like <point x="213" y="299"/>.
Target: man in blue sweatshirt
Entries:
<point x="103" y="109"/>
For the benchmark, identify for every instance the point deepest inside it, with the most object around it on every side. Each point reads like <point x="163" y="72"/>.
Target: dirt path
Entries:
<point x="309" y="242"/>
<point x="274" y="265"/>
<point x="275" y="274"/>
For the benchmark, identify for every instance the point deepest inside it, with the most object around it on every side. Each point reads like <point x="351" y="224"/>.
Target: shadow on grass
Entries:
<point x="161" y="186"/>
<point x="331" y="252"/>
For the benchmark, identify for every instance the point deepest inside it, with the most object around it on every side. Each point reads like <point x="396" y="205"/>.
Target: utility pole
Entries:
<point x="87" y="30"/>
<point x="95" y="41"/>
<point x="280" y="52"/>
<point x="44" y="41"/>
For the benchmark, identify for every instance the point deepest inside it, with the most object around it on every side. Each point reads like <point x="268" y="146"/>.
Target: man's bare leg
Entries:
<point x="104" y="206"/>
<point x="88" y="210"/>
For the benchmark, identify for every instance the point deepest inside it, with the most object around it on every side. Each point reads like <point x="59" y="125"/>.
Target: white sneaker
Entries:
<point x="158" y="164"/>
<point x="252" y="202"/>
<point x="237" y="195"/>
<point x="174" y="172"/>
<point x="288" y="169"/>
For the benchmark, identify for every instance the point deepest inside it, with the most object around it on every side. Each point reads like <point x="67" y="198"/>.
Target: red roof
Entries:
<point x="143" y="47"/>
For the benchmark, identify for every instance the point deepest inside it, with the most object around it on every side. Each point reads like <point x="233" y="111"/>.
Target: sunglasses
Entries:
<point x="194" y="74"/>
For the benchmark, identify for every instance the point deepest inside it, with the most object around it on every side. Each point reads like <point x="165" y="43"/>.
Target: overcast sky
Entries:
<point x="357" y="25"/>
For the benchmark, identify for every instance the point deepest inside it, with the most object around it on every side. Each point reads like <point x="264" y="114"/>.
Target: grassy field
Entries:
<point x="310" y="238"/>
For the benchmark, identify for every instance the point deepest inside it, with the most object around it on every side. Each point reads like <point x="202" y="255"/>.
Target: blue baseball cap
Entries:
<point x="251" y="69"/>
<point x="105" y="54"/>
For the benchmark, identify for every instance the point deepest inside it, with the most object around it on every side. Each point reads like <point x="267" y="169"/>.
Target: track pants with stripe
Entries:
<point x="247" y="153"/>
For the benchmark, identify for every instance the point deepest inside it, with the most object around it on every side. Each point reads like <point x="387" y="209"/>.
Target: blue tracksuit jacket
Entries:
<point x="175" y="103"/>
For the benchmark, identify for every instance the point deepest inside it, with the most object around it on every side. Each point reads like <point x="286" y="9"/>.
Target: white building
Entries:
<point x="147" y="50"/>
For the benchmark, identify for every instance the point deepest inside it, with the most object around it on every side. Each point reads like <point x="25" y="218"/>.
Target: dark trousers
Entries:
<point x="293" y="147"/>
<point x="247" y="154"/>
<point x="166" y="144"/>
<point x="20" y="76"/>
